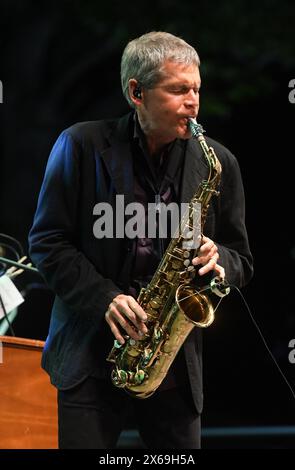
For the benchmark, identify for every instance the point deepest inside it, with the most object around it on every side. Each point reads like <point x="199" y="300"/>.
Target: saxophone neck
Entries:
<point x="213" y="163"/>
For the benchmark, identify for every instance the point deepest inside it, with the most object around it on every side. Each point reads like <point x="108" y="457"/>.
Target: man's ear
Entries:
<point x="135" y="91"/>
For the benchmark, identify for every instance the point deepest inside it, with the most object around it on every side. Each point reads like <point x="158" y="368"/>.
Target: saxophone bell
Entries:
<point x="196" y="306"/>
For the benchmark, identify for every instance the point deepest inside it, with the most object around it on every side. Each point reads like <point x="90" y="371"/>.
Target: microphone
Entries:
<point x="219" y="286"/>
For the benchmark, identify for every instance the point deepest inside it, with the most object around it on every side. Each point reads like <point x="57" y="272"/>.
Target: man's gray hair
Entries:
<point x="143" y="58"/>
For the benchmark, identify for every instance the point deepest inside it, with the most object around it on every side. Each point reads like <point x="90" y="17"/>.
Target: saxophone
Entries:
<point x="171" y="301"/>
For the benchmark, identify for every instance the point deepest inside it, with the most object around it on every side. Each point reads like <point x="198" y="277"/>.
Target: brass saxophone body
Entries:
<point x="172" y="303"/>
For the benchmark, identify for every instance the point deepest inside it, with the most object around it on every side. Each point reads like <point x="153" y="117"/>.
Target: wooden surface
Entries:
<point x="28" y="411"/>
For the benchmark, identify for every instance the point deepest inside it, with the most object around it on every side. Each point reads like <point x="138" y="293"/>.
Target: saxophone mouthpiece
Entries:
<point x="193" y="119"/>
<point x="191" y="122"/>
<point x="195" y="128"/>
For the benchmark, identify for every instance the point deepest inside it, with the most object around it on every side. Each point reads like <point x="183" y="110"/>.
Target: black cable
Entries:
<point x="14" y="240"/>
<point x="12" y="245"/>
<point x="263" y="340"/>
<point x="6" y="317"/>
<point x="13" y="250"/>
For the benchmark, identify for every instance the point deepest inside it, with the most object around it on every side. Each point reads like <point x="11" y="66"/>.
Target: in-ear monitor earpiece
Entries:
<point x="137" y="92"/>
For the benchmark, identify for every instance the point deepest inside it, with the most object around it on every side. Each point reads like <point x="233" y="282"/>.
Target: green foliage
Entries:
<point x="241" y="43"/>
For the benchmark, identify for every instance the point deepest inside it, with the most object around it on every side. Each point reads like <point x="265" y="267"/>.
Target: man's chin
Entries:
<point x="185" y="134"/>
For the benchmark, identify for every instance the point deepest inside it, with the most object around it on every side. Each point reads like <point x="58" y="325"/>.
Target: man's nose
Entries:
<point x="191" y="99"/>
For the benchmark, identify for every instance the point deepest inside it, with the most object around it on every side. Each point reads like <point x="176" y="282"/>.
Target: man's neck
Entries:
<point x="155" y="143"/>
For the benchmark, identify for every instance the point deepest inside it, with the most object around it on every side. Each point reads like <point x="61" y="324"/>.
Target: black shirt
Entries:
<point x="156" y="178"/>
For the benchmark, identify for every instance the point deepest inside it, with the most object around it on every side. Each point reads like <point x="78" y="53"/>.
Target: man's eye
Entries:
<point x="179" y="91"/>
<point x="195" y="90"/>
<point x="183" y="91"/>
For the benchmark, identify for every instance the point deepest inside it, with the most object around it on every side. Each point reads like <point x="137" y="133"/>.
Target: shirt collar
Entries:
<point x="173" y="156"/>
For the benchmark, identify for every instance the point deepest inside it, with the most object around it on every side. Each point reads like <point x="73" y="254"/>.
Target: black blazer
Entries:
<point x="91" y="162"/>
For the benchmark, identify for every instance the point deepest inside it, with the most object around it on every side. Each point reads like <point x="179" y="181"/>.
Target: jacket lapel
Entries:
<point x="118" y="160"/>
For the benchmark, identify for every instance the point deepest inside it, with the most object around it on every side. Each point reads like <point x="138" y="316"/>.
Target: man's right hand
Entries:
<point x="126" y="312"/>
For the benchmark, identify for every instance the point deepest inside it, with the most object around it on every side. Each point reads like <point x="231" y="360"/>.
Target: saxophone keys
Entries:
<point x="157" y="334"/>
<point x="139" y="376"/>
<point x="192" y="272"/>
<point x="170" y="276"/>
<point x="146" y="357"/>
<point x="152" y="314"/>
<point x="176" y="264"/>
<point x="119" y="377"/>
<point x="155" y="303"/>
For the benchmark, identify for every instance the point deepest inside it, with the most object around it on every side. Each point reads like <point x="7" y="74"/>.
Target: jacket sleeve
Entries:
<point x="53" y="236"/>
<point x="231" y="236"/>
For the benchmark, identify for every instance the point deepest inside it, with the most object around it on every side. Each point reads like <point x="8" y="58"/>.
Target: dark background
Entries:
<point x="60" y="64"/>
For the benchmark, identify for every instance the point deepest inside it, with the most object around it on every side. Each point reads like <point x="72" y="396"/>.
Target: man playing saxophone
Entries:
<point x="147" y="155"/>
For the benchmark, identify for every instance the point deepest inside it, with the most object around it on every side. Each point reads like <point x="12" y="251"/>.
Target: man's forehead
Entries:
<point x="175" y="72"/>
